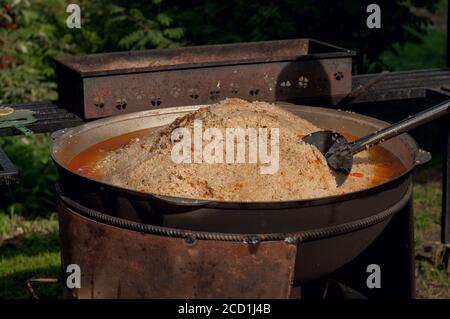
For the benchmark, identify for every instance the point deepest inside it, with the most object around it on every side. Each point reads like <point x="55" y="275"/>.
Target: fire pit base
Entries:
<point x="121" y="263"/>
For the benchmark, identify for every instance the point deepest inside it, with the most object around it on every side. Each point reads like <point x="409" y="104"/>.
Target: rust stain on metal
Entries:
<point x="119" y="263"/>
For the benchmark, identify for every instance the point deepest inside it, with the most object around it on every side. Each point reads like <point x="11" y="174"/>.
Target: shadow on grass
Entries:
<point x="428" y="174"/>
<point x="30" y="244"/>
<point x="30" y="255"/>
<point x="14" y="286"/>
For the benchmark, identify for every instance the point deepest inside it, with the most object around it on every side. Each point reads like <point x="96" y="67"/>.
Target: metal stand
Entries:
<point x="393" y="251"/>
<point x="169" y="267"/>
<point x="445" y="217"/>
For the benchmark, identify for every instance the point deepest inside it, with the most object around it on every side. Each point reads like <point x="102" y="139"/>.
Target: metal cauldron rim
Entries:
<point x="62" y="136"/>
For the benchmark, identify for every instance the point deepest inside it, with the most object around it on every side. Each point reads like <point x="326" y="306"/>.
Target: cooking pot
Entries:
<point x="330" y="231"/>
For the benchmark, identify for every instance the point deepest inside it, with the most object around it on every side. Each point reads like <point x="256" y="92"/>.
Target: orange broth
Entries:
<point x="387" y="165"/>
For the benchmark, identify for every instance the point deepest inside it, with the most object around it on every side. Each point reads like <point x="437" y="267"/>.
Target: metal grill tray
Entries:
<point x="95" y="86"/>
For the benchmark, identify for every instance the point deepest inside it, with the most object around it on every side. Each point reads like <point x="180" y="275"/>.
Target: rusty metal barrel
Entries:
<point x="117" y="262"/>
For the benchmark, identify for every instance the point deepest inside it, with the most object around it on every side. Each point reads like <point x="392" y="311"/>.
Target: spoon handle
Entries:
<point x="400" y="127"/>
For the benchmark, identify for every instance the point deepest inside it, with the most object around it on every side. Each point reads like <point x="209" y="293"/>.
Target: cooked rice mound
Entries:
<point x="146" y="164"/>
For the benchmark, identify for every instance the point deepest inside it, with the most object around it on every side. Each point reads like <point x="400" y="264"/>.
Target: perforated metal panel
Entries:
<point x="102" y="85"/>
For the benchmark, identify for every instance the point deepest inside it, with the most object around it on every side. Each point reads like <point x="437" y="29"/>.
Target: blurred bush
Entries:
<point x="34" y="32"/>
<point x="34" y="195"/>
<point x="336" y="21"/>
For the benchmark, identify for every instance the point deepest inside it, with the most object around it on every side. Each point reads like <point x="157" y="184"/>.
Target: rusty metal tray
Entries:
<point x="101" y="85"/>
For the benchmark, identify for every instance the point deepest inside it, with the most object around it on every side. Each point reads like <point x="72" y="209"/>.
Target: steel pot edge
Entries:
<point x="63" y="136"/>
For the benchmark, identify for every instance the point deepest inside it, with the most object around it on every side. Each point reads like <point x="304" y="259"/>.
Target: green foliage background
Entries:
<point x="32" y="32"/>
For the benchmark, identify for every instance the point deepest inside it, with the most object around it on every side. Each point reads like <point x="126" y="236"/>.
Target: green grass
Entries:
<point x="28" y="249"/>
<point x="427" y="207"/>
<point x="432" y="278"/>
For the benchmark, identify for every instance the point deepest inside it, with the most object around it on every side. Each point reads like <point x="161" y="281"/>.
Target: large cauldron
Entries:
<point x="332" y="230"/>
